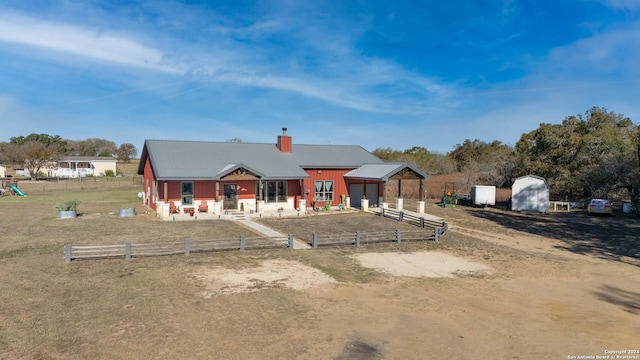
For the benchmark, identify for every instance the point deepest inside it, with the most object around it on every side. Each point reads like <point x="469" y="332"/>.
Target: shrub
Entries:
<point x="109" y="173"/>
<point x="69" y="205"/>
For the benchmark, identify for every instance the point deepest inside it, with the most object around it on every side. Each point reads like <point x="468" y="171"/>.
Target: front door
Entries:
<point x="230" y="196"/>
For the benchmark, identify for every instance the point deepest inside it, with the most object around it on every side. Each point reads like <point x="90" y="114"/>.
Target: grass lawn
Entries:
<point x="150" y="308"/>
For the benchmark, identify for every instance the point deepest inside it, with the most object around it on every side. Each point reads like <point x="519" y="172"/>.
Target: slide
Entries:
<point x="16" y="190"/>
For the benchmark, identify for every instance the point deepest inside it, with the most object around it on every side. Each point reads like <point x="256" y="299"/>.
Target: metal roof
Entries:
<point x="382" y="171"/>
<point x="178" y="160"/>
<point x="88" y="158"/>
<point x="332" y="156"/>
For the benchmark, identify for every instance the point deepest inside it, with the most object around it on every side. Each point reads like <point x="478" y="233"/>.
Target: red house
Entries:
<point x="262" y="176"/>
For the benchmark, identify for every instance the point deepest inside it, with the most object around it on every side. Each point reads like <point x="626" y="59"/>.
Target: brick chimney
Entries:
<point x="284" y="142"/>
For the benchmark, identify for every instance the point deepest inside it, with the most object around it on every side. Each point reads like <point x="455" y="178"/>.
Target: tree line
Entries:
<point x="39" y="151"/>
<point x="586" y="155"/>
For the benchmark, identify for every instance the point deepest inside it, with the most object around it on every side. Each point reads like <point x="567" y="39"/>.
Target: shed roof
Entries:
<point x="384" y="171"/>
<point x="178" y="160"/>
<point x="530" y="177"/>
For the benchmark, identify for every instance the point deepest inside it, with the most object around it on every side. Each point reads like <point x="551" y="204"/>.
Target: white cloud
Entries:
<point x="623" y="4"/>
<point x="82" y="41"/>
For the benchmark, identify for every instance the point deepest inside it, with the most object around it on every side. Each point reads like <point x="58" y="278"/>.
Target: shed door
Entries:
<point x="356" y="191"/>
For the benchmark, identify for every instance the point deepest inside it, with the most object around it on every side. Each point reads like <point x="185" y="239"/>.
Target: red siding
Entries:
<point x="246" y="189"/>
<point x="339" y="184"/>
<point x="149" y="180"/>
<point x="204" y="190"/>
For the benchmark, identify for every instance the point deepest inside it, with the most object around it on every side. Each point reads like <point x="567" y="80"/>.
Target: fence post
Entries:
<point x="382" y="212"/>
<point x="400" y="216"/>
<point x="357" y="238"/>
<point x="398" y="236"/>
<point x="67" y="253"/>
<point x="436" y="234"/>
<point x="127" y="250"/>
<point x="422" y="223"/>
<point x="242" y="241"/>
<point x="314" y="242"/>
<point x="187" y="246"/>
<point x="290" y="241"/>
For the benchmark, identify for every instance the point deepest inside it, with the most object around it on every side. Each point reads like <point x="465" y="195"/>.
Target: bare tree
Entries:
<point x="35" y="156"/>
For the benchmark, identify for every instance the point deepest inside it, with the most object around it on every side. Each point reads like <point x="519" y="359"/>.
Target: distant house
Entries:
<point x="259" y="176"/>
<point x="81" y="166"/>
<point x="530" y="193"/>
<point x="77" y="166"/>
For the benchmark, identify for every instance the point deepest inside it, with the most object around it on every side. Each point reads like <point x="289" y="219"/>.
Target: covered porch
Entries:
<point x="369" y="182"/>
<point x="238" y="190"/>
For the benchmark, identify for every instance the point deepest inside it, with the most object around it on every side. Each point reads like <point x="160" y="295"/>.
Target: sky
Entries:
<point x="378" y="74"/>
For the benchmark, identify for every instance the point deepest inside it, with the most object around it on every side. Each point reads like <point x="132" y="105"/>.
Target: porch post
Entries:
<point x="260" y="189"/>
<point x="166" y="192"/>
<point x="421" y="195"/>
<point x="384" y="191"/>
<point x="399" y="188"/>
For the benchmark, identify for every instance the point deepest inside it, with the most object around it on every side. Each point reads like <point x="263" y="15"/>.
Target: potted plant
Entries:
<point x="68" y="209"/>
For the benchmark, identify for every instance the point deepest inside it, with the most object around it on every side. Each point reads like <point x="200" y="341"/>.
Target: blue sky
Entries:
<point x="374" y="73"/>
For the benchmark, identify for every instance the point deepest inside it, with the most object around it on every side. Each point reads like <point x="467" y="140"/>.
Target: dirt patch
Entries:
<point x="271" y="274"/>
<point x="421" y="264"/>
<point x="296" y="276"/>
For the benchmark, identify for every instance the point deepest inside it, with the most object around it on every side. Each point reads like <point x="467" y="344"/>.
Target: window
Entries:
<point x="273" y="191"/>
<point x="324" y="190"/>
<point x="187" y="193"/>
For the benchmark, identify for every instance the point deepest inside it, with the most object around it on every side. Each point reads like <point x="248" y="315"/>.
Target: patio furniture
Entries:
<point x="203" y="208"/>
<point x="173" y="209"/>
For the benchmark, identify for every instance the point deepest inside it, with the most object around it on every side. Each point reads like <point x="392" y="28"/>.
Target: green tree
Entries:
<point x="588" y="154"/>
<point x="126" y="152"/>
<point x="431" y="163"/>
<point x="482" y="162"/>
<point x="92" y="147"/>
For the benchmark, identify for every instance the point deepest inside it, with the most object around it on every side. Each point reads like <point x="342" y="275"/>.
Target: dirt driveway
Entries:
<point x="500" y="285"/>
<point x="514" y="294"/>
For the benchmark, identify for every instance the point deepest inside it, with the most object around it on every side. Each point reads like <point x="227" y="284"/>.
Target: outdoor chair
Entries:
<point x="203" y="208"/>
<point x="173" y="209"/>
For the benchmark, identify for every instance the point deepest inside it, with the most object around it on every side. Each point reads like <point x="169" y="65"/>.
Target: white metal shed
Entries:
<point x="530" y="193"/>
<point x="483" y="195"/>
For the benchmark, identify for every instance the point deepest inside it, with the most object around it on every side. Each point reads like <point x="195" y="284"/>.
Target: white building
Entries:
<point x="530" y="193"/>
<point x="77" y="166"/>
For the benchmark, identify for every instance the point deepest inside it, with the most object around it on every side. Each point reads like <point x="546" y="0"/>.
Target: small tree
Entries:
<point x="126" y="151"/>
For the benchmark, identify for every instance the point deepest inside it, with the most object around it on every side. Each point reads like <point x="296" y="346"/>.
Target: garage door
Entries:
<point x="356" y="191"/>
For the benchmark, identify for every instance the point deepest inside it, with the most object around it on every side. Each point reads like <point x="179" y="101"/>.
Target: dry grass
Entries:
<point x="152" y="307"/>
<point x="114" y="308"/>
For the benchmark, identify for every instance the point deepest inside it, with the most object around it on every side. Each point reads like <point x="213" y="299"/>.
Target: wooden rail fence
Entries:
<point x="129" y="250"/>
<point x="439" y="227"/>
